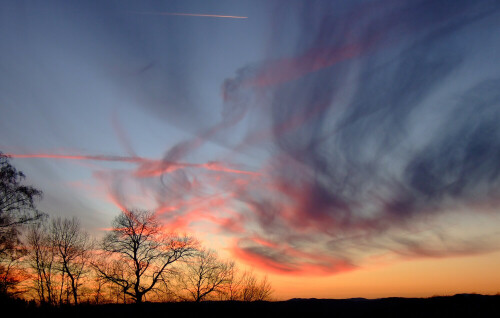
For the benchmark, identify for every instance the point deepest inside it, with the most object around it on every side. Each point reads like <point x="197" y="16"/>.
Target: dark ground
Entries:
<point x="464" y="305"/>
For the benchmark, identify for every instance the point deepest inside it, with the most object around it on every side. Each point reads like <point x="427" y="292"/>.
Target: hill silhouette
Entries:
<point x="460" y="305"/>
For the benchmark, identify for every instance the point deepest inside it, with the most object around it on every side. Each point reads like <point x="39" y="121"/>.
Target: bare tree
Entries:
<point x="232" y="289"/>
<point x="11" y="271"/>
<point x="17" y="201"/>
<point x="17" y="207"/>
<point x="41" y="255"/>
<point x="117" y="273"/>
<point x="264" y="289"/>
<point x="168" y="290"/>
<point x="143" y="251"/>
<point x="72" y="247"/>
<point x="245" y="286"/>
<point x="251" y="289"/>
<point x="98" y="290"/>
<point x="205" y="274"/>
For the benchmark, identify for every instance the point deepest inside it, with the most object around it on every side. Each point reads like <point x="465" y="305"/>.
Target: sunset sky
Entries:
<point x="343" y="148"/>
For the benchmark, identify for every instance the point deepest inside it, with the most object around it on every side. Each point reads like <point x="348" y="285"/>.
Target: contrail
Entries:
<point x="78" y="157"/>
<point x="193" y="15"/>
<point x="148" y="167"/>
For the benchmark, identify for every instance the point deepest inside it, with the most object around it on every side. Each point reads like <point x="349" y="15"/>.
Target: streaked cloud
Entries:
<point x="361" y="129"/>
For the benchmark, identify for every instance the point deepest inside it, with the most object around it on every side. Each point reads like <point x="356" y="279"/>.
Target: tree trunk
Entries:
<point x="138" y="298"/>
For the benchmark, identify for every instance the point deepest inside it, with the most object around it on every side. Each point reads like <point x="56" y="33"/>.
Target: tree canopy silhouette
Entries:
<point x="17" y="201"/>
<point x="17" y="207"/>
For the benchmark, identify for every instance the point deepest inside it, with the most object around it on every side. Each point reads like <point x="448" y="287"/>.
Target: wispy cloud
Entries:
<point x="364" y="121"/>
<point x="350" y="167"/>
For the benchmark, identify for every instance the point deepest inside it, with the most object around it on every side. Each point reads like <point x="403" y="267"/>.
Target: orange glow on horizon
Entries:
<point x="416" y="278"/>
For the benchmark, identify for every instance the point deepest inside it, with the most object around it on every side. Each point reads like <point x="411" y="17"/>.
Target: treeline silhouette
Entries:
<point x="53" y="261"/>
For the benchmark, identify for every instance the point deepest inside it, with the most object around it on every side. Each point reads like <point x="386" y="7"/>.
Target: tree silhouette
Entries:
<point x="205" y="274"/>
<point x="17" y="201"/>
<point x="245" y="286"/>
<point x="72" y="247"/>
<point x="12" y="272"/>
<point x="253" y="289"/>
<point x="41" y="258"/>
<point x="17" y="207"/>
<point x="138" y="251"/>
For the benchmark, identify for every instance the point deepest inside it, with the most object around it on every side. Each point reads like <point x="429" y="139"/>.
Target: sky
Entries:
<point x="343" y="148"/>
